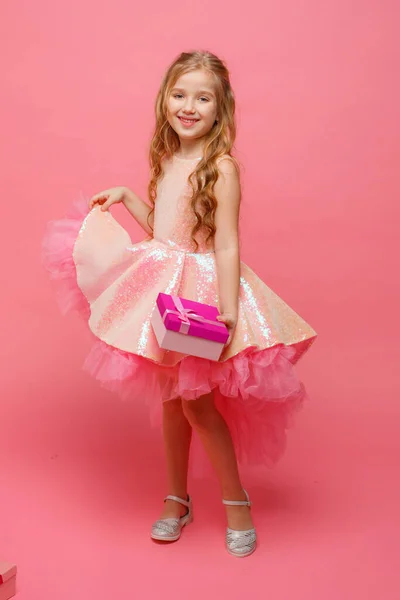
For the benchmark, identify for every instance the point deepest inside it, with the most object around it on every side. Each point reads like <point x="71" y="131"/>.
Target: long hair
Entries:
<point x="218" y="142"/>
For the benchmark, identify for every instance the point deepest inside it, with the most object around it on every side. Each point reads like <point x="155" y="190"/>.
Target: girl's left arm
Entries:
<point x="227" y="255"/>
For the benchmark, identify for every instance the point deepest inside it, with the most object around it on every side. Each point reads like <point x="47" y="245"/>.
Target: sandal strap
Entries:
<point x="238" y="502"/>
<point x="180" y="500"/>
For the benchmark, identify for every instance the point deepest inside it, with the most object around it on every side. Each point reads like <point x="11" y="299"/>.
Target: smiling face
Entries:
<point x="192" y="105"/>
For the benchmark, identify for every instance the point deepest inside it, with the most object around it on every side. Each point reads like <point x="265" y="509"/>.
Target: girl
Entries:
<point x="239" y="406"/>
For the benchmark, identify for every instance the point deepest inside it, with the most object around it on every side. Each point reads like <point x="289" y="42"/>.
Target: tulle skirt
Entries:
<point x="113" y="284"/>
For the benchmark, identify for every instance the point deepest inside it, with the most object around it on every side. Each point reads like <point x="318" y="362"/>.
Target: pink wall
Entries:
<point x="318" y="95"/>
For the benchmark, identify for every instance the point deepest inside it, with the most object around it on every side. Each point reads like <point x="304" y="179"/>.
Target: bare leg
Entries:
<point x="216" y="439"/>
<point x="177" y="437"/>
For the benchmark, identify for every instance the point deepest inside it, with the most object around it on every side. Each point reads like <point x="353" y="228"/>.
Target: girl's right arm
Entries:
<point x="139" y="210"/>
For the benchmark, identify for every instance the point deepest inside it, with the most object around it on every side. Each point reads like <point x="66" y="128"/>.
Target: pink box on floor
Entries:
<point x="188" y="327"/>
<point x="8" y="575"/>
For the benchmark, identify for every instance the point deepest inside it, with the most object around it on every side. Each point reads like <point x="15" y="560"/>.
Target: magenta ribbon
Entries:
<point x="186" y="315"/>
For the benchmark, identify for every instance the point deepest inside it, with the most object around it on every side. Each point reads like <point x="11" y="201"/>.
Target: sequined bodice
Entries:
<point x="173" y="215"/>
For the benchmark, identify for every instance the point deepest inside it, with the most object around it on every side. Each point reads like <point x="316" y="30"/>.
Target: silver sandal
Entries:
<point x="169" y="530"/>
<point x="240" y="543"/>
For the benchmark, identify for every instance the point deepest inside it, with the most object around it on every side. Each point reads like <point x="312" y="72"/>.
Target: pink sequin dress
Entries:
<point x="114" y="283"/>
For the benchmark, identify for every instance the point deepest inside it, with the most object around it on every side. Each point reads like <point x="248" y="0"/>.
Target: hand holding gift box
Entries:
<point x="188" y="327"/>
<point x="8" y="574"/>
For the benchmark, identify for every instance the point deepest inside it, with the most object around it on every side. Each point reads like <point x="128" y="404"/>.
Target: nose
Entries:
<point x="188" y="106"/>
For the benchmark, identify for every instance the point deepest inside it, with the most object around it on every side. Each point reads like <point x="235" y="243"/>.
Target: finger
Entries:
<point x="106" y="205"/>
<point x="93" y="203"/>
<point x="226" y="318"/>
<point x="101" y="196"/>
<point x="227" y="321"/>
<point x="222" y="318"/>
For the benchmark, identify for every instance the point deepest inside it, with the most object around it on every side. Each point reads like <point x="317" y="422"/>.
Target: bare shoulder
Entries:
<point x="228" y="166"/>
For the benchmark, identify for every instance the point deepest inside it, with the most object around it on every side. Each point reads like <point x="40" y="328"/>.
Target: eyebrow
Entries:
<point x="207" y="92"/>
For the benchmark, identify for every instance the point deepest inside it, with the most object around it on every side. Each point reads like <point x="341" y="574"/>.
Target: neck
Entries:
<point x="190" y="149"/>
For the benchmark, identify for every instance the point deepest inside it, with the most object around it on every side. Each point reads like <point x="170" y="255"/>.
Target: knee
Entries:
<point x="200" y="413"/>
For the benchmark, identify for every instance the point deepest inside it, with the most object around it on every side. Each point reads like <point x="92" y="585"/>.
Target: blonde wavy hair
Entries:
<point x="218" y="142"/>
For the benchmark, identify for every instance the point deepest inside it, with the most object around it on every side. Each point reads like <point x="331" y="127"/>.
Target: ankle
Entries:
<point x="179" y="494"/>
<point x="235" y="494"/>
<point x="174" y="509"/>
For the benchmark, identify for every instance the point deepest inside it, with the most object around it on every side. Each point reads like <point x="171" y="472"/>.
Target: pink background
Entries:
<point x="81" y="474"/>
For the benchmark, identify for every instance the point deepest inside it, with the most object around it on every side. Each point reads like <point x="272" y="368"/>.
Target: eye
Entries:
<point x="178" y="96"/>
<point x="204" y="98"/>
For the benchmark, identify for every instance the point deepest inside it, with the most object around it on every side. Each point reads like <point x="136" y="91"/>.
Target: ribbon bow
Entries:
<point x="186" y="315"/>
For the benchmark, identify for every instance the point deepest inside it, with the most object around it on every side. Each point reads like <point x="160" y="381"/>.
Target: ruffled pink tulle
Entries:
<point x="57" y="248"/>
<point x="257" y="391"/>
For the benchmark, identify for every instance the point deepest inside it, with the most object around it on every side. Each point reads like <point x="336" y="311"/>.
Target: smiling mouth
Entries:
<point x="188" y="121"/>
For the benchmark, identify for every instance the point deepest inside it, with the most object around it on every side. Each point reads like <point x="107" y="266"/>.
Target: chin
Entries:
<point x="188" y="134"/>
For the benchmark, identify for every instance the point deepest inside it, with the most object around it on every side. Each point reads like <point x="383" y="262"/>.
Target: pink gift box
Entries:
<point x="8" y="574"/>
<point x="188" y="327"/>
